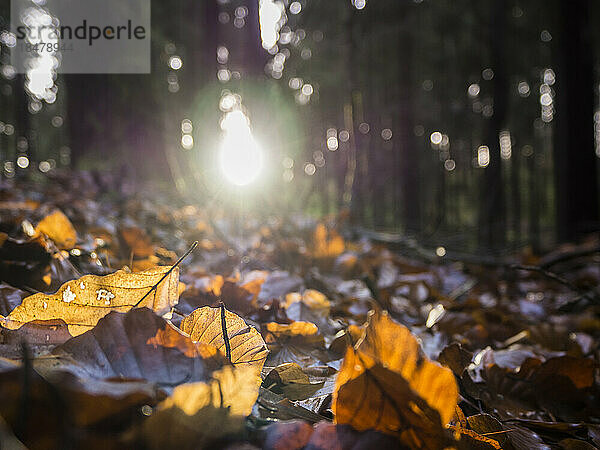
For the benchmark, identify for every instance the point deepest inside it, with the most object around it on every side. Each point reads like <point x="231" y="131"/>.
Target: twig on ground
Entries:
<point x="569" y="256"/>
<point x="168" y="272"/>
<point x="552" y="276"/>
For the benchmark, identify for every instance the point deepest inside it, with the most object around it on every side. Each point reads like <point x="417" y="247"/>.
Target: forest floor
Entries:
<point x="279" y="333"/>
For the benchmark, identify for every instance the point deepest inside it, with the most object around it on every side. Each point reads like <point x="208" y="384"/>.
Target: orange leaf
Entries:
<point x="59" y="228"/>
<point x="386" y="384"/>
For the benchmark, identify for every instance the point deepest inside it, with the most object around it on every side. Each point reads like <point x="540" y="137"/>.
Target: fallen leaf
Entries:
<point x="327" y="243"/>
<point x="514" y="393"/>
<point x="274" y="406"/>
<point x="37" y="334"/>
<point x="81" y="303"/>
<point x="332" y="436"/>
<point x="290" y="381"/>
<point x="456" y="358"/>
<point x="10" y="298"/>
<point x="61" y="407"/>
<point x="298" y="342"/>
<point x="199" y="413"/>
<point x="292" y="435"/>
<point x="137" y="243"/>
<point x="278" y="284"/>
<point x="247" y="346"/>
<point x="137" y="345"/>
<point x="386" y="384"/>
<point x="312" y="298"/>
<point x="57" y="227"/>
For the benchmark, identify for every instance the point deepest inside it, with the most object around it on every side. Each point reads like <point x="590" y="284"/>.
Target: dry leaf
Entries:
<point x="198" y="413"/>
<point x="137" y="242"/>
<point x="137" y="345"/>
<point x="288" y="435"/>
<point x="290" y="381"/>
<point x="10" y="297"/>
<point x="247" y="346"/>
<point x="327" y="244"/>
<point x="331" y="436"/>
<point x="57" y="227"/>
<point x="298" y="342"/>
<point x="313" y="299"/>
<point x="81" y="303"/>
<point x="60" y="403"/>
<point x="292" y="330"/>
<point x="386" y="384"/>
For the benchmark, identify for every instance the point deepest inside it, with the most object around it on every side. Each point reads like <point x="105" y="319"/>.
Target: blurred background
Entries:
<point x="472" y="123"/>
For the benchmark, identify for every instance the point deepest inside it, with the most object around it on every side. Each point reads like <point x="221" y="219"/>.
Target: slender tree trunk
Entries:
<point x="492" y="219"/>
<point x="574" y="158"/>
<point x="408" y="175"/>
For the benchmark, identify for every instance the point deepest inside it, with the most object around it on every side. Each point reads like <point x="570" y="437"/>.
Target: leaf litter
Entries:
<point x="303" y="334"/>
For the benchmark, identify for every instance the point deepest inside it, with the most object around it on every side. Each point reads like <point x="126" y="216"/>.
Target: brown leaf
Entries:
<point x="81" y="303"/>
<point x="516" y="393"/>
<point x="298" y="342"/>
<point x="60" y="405"/>
<point x="290" y="381"/>
<point x="38" y="334"/>
<point x="312" y="298"/>
<point x="385" y="384"/>
<point x="456" y="358"/>
<point x="331" y="436"/>
<point x="291" y="435"/>
<point x="59" y="229"/>
<point x="246" y="344"/>
<point x="10" y="298"/>
<point x="138" y="345"/>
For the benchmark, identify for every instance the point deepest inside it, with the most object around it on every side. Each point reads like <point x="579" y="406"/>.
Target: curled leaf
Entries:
<point x="246" y="345"/>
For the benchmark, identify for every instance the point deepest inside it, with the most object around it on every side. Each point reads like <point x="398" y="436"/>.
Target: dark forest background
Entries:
<point x="469" y="123"/>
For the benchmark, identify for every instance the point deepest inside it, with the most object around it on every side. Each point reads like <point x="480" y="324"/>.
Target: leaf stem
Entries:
<point x="224" y="329"/>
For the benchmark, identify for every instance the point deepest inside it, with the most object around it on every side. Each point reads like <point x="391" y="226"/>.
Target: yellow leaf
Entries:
<point x="312" y="298"/>
<point x="198" y="413"/>
<point x="234" y="388"/>
<point x="59" y="228"/>
<point x="292" y="330"/>
<point x="82" y="302"/>
<point x="386" y="384"/>
<point x="246" y="344"/>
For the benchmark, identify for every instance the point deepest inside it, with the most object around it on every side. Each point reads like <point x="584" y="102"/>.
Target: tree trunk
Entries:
<point x="574" y="158"/>
<point x="492" y="224"/>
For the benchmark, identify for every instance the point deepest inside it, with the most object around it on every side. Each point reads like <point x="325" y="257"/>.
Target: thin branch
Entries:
<point x="569" y="256"/>
<point x="168" y="272"/>
<point x="554" y="277"/>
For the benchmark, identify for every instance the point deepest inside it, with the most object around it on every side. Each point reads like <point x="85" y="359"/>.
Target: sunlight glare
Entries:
<point x="240" y="157"/>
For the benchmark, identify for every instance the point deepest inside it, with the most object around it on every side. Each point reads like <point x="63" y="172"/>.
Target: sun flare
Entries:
<point x="240" y="156"/>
